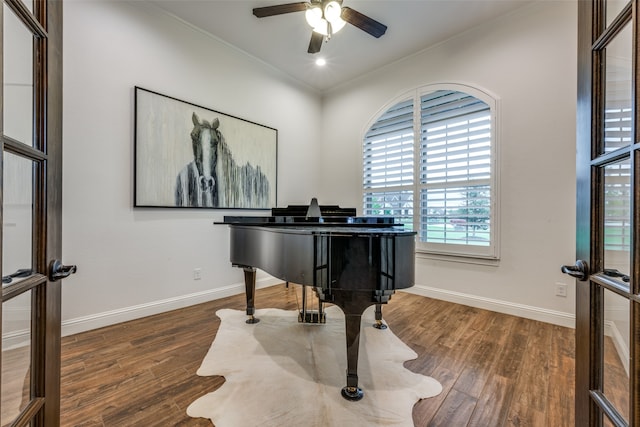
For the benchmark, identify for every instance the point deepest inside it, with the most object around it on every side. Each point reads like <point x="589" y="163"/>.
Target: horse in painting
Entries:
<point x="196" y="183"/>
<point x="213" y="179"/>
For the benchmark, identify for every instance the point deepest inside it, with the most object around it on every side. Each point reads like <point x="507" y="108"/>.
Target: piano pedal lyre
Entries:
<point x="310" y="316"/>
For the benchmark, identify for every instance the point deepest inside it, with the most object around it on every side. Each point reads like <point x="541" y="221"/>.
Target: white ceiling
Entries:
<point x="282" y="40"/>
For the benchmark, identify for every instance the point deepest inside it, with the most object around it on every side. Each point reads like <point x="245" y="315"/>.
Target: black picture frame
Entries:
<point x="190" y="156"/>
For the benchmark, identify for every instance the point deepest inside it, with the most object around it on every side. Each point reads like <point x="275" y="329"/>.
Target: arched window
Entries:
<point x="443" y="184"/>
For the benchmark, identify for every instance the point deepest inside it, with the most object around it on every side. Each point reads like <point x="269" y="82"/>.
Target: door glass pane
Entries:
<point x="617" y="216"/>
<point x="617" y="103"/>
<point x="616" y="352"/>
<point x="614" y="7"/>
<point x="17" y="216"/>
<point x="16" y="356"/>
<point x="18" y="79"/>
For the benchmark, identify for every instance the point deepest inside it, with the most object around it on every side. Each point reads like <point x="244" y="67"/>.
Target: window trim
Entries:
<point x="464" y="253"/>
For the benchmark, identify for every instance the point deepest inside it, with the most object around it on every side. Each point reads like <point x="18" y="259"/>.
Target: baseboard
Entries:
<point x="527" y="311"/>
<point x="16" y="339"/>
<point x="611" y="330"/>
<point x="107" y="318"/>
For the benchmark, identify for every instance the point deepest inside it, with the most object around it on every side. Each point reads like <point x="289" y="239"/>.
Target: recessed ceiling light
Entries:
<point x="320" y="62"/>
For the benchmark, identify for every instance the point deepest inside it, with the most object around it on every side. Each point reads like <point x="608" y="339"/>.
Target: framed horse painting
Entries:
<point x="189" y="156"/>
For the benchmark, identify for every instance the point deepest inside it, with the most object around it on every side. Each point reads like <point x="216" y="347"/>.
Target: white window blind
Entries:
<point x="455" y="169"/>
<point x="388" y="149"/>
<point x="617" y="178"/>
<point x="617" y="206"/>
<point x="618" y="128"/>
<point x="388" y="165"/>
<point x="451" y="178"/>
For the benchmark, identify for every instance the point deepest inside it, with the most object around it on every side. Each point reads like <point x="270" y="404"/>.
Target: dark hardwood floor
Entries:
<point x="496" y="369"/>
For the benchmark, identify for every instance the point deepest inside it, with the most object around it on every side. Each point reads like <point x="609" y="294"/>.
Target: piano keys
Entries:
<point x="352" y="262"/>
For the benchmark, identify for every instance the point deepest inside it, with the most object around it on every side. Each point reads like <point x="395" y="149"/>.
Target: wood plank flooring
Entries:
<point x="496" y="369"/>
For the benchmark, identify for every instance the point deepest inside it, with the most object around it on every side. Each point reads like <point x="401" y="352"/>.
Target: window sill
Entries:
<point x="493" y="262"/>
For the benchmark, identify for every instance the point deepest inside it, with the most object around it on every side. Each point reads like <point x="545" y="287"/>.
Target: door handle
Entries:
<point x="580" y="270"/>
<point x="23" y="272"/>
<point x="615" y="273"/>
<point x="59" y="271"/>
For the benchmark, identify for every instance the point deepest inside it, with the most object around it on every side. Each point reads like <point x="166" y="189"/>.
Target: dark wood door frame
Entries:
<point x="585" y="330"/>
<point x="54" y="210"/>
<point x="591" y="404"/>
<point x="45" y="22"/>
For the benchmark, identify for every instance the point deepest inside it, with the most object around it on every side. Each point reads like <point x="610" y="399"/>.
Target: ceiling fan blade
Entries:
<point x="369" y="25"/>
<point x="280" y="9"/>
<point x="316" y="42"/>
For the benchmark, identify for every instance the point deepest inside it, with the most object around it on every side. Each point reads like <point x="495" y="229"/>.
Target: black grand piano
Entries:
<point x="352" y="262"/>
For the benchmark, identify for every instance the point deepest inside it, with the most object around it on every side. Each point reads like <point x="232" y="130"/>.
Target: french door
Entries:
<point x="30" y="208"/>
<point x="608" y="216"/>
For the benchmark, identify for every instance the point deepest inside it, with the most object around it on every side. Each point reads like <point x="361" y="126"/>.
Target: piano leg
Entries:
<point x="352" y="326"/>
<point x="250" y="292"/>
<point x="379" y="324"/>
<point x="352" y="304"/>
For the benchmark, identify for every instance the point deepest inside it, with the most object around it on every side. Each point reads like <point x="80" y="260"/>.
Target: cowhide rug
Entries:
<point x="281" y="373"/>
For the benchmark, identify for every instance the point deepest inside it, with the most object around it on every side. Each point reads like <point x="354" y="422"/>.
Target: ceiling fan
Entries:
<point x="326" y="17"/>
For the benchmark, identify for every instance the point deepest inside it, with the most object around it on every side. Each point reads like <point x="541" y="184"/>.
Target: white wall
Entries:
<point x="133" y="262"/>
<point x="528" y="60"/>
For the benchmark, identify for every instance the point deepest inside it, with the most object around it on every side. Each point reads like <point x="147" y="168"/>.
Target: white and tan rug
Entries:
<point x="283" y="373"/>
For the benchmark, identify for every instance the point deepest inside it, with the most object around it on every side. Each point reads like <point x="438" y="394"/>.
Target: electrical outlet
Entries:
<point x="197" y="273"/>
<point x="561" y="290"/>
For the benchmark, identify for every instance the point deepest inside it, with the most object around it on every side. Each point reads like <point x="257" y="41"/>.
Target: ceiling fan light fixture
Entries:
<point x="332" y="11"/>
<point x="337" y="24"/>
<point x="322" y="28"/>
<point x="319" y="18"/>
<point x="313" y="15"/>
